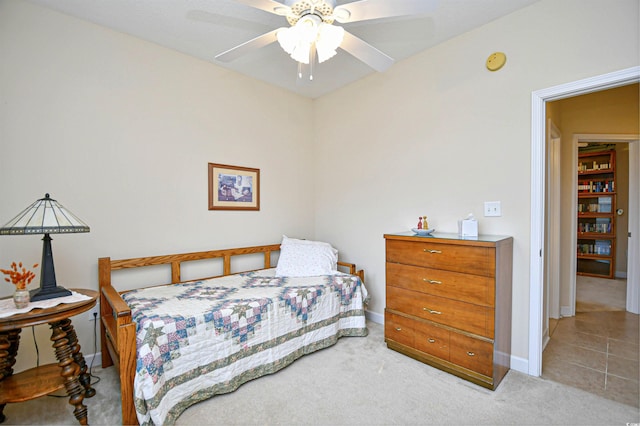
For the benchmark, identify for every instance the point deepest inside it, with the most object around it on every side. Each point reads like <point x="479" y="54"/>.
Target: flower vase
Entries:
<point x="21" y="298"/>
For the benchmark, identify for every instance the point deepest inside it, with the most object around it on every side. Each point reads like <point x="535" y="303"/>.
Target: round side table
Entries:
<point x="71" y="370"/>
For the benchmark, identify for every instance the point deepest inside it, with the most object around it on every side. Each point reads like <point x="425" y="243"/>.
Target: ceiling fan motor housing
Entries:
<point x="320" y="8"/>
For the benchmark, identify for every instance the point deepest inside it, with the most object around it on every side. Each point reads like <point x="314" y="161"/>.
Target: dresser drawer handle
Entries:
<point x="471" y="353"/>
<point x="427" y="280"/>
<point x="398" y="329"/>
<point x="432" y="251"/>
<point x="431" y="311"/>
<point x="432" y="340"/>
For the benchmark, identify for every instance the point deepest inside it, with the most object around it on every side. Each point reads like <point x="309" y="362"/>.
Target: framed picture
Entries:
<point x="233" y="187"/>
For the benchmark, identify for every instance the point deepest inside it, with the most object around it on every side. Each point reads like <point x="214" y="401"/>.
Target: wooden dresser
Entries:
<point x="449" y="303"/>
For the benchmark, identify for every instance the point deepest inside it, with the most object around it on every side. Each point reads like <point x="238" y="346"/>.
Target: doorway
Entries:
<point x="593" y="344"/>
<point x="621" y="144"/>
<point x="536" y="288"/>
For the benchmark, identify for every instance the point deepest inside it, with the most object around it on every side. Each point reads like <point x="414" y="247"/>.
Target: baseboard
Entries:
<point x="545" y="338"/>
<point x="565" y="311"/>
<point x="374" y="317"/>
<point x="93" y="360"/>
<point x="621" y="274"/>
<point x="519" y="364"/>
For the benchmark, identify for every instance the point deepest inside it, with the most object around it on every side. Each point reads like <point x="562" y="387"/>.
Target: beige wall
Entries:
<point x="613" y="111"/>
<point x="120" y="131"/>
<point x="438" y="134"/>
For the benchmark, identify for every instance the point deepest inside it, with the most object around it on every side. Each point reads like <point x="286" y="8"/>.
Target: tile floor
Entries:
<point x="596" y="351"/>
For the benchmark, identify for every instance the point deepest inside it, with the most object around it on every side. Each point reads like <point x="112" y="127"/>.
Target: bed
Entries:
<point x="180" y="343"/>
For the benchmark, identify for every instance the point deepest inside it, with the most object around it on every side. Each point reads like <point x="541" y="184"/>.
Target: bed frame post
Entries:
<point x="104" y="279"/>
<point x="127" y="373"/>
<point x="123" y="331"/>
<point x="175" y="272"/>
<point x="227" y="265"/>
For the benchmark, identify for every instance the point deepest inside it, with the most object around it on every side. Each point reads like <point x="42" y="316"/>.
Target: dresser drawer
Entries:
<point x="462" y="315"/>
<point x="432" y="340"/>
<point x="399" y="329"/>
<point x="450" y="257"/>
<point x="474" y="354"/>
<point x="453" y="285"/>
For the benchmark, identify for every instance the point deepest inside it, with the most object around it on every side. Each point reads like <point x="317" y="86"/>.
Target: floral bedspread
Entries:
<point x="203" y="338"/>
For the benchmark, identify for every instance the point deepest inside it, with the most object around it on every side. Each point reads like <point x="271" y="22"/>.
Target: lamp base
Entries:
<point x="45" y="293"/>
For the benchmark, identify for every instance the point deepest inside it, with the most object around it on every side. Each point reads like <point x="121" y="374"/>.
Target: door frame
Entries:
<point x="537" y="236"/>
<point x="552" y="242"/>
<point x="633" y="238"/>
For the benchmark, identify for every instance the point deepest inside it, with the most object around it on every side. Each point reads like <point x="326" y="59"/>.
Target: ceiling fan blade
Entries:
<point x="364" y="10"/>
<point x="256" y="43"/>
<point x="270" y="6"/>
<point x="228" y="21"/>
<point x="368" y="54"/>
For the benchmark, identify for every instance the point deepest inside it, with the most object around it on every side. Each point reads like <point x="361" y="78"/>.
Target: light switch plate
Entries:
<point x="492" y="208"/>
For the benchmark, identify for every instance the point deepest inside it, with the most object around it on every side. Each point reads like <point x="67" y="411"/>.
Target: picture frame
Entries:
<point x="233" y="187"/>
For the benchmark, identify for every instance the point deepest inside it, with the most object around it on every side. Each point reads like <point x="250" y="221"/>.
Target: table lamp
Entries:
<point x="45" y="216"/>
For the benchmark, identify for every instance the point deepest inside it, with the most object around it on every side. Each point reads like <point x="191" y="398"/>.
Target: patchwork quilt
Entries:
<point x="203" y="338"/>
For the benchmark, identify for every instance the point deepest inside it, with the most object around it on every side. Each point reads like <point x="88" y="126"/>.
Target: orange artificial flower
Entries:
<point x="19" y="278"/>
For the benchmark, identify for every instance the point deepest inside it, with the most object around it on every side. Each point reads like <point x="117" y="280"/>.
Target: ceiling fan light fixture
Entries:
<point x="286" y="39"/>
<point x="307" y="28"/>
<point x="302" y="53"/>
<point x="310" y="32"/>
<point x="329" y="39"/>
<point x="296" y="41"/>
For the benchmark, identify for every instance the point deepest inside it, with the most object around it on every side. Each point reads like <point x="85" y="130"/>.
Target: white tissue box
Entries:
<point x="468" y="228"/>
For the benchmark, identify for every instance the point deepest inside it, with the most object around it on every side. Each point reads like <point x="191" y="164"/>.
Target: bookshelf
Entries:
<point x="596" y="213"/>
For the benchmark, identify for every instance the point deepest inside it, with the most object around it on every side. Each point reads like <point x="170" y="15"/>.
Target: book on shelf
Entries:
<point x="604" y="205"/>
<point x="600" y="247"/>
<point x="596" y="186"/>
<point x="600" y="227"/>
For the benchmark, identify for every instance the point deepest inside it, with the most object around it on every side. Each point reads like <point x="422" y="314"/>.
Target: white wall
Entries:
<point x="120" y="131"/>
<point x="438" y="134"/>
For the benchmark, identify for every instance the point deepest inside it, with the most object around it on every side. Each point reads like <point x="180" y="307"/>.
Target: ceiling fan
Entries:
<point x="313" y="37"/>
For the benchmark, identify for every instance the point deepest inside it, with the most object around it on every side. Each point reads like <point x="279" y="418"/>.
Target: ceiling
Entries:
<point x="204" y="28"/>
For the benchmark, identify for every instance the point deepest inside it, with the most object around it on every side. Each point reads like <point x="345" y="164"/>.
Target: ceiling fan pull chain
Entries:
<point x="312" y="60"/>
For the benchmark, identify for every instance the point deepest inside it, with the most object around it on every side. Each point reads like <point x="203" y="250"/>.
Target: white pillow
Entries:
<point x="305" y="258"/>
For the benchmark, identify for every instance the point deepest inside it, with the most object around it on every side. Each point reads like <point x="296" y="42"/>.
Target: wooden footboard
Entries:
<point x="118" y="331"/>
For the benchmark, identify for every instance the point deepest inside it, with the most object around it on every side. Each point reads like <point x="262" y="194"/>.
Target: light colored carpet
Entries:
<point x="360" y="382"/>
<point x="600" y="294"/>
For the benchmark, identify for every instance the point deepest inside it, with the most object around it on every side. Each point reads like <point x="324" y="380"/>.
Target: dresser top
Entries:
<point x="449" y="236"/>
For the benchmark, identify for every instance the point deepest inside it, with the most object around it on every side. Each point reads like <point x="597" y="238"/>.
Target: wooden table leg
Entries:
<point x="84" y="377"/>
<point x="69" y="370"/>
<point x="9" y="342"/>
